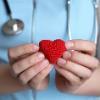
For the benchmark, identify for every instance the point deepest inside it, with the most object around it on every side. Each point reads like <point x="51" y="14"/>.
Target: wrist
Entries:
<point x="9" y="84"/>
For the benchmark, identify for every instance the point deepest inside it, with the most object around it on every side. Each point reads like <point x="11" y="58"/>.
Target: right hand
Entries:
<point x="30" y="66"/>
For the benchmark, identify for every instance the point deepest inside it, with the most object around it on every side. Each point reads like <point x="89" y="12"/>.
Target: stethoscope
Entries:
<point x="12" y="26"/>
<point x="16" y="26"/>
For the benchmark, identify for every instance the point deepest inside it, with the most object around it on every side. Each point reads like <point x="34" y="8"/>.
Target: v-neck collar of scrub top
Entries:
<point x="49" y="23"/>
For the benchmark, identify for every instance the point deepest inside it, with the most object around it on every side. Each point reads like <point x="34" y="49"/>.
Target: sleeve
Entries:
<point x="4" y="56"/>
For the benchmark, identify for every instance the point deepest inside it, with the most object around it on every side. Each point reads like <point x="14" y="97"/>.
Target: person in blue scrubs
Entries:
<point x="25" y="73"/>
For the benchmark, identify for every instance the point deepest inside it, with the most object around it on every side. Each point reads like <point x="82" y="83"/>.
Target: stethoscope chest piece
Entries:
<point x="13" y="27"/>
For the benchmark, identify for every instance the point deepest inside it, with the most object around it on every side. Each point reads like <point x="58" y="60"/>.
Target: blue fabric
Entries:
<point x="49" y="23"/>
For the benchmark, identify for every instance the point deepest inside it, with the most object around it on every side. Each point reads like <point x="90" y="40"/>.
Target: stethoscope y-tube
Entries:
<point x="68" y="8"/>
<point x="98" y="31"/>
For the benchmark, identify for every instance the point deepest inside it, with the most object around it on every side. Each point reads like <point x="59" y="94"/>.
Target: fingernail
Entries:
<point x="45" y="62"/>
<point x="40" y="55"/>
<point x="67" y="55"/>
<point x="69" y="44"/>
<point x="61" y="61"/>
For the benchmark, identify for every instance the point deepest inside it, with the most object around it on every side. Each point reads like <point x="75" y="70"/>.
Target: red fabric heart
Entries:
<point x="52" y="49"/>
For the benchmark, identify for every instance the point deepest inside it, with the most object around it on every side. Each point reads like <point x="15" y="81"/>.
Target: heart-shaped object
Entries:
<point x="52" y="49"/>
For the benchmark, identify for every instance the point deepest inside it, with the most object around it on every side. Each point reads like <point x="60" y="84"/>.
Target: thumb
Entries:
<point x="69" y="45"/>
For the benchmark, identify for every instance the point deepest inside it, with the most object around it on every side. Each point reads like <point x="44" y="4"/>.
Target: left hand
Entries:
<point x="78" y="65"/>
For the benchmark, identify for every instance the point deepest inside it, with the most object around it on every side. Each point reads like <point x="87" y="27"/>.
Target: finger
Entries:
<point x="73" y="79"/>
<point x="84" y="60"/>
<point x="18" y="51"/>
<point x="67" y="55"/>
<point x="42" y="75"/>
<point x="75" y="68"/>
<point x="24" y="64"/>
<point x="27" y="75"/>
<point x="81" y="45"/>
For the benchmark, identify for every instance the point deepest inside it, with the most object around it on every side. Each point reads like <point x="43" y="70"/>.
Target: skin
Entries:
<point x="73" y="73"/>
<point x="30" y="66"/>
<point x="78" y="68"/>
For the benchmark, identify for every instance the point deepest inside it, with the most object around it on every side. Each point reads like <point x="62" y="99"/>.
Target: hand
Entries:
<point x="30" y="66"/>
<point x="78" y="65"/>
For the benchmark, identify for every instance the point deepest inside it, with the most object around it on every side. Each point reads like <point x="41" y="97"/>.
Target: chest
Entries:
<point x="49" y="20"/>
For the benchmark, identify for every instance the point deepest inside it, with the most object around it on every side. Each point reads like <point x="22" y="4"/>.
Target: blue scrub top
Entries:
<point x="49" y="23"/>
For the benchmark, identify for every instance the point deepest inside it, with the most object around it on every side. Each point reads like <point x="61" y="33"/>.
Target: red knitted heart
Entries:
<point x="52" y="49"/>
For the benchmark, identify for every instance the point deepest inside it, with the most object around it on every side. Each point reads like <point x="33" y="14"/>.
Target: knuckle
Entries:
<point x="35" y="70"/>
<point x="31" y="60"/>
<point x="44" y="63"/>
<point x="67" y="55"/>
<point x="35" y="58"/>
<point x="75" y="81"/>
<point x="33" y="47"/>
<point x="22" y="79"/>
<point x="28" y="48"/>
<point x="88" y="74"/>
<point x="41" y="74"/>
<point x="25" y="77"/>
<point x="28" y="74"/>
<point x="39" y="56"/>
<point x="67" y="74"/>
<point x="20" y="64"/>
<point x="15" y="68"/>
